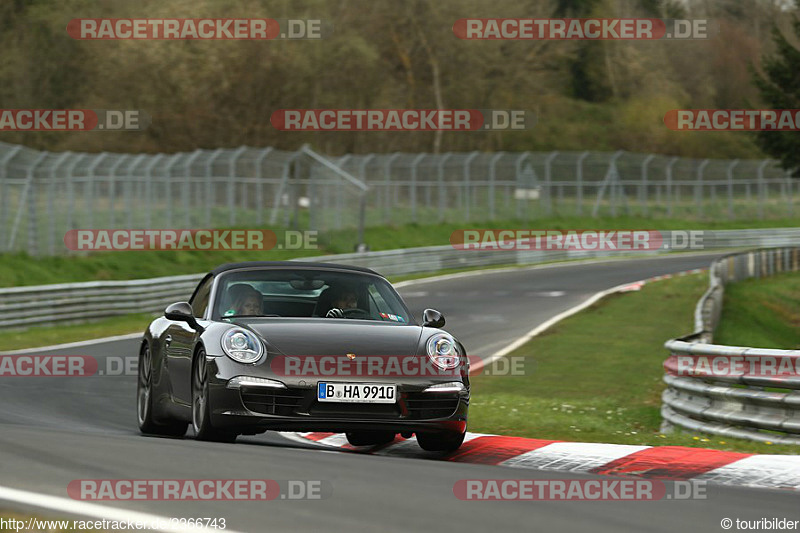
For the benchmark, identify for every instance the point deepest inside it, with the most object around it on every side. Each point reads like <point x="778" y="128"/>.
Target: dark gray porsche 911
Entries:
<point x="296" y="346"/>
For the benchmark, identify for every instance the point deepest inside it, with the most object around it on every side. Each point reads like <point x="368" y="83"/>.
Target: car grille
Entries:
<point x="281" y="402"/>
<point x="422" y="405"/>
<point x="355" y="410"/>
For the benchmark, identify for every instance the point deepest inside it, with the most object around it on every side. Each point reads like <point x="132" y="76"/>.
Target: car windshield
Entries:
<point x="308" y="293"/>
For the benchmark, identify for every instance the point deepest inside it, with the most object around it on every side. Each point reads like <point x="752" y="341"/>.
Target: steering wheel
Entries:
<point x="355" y="312"/>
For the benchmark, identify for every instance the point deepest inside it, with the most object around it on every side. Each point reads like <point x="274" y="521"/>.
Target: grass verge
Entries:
<point x="764" y="313"/>
<point x="596" y="376"/>
<point x="21" y="269"/>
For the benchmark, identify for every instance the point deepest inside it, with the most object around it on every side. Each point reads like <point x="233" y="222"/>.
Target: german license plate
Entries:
<point x="356" y="392"/>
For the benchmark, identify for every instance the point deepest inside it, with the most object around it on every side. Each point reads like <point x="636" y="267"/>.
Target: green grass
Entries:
<point x="588" y="379"/>
<point x="763" y="313"/>
<point x="20" y="269"/>
<point x="49" y="335"/>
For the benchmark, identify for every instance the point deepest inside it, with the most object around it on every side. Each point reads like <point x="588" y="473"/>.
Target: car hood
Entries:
<point x="337" y="337"/>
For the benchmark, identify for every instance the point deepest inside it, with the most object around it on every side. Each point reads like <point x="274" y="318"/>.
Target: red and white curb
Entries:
<point x="652" y="462"/>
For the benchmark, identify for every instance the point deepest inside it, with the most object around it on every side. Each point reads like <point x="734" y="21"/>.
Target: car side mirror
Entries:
<point x="182" y="312"/>
<point x="432" y="318"/>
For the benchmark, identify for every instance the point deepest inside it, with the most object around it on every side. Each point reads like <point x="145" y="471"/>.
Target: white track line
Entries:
<point x="93" y="510"/>
<point x="128" y="336"/>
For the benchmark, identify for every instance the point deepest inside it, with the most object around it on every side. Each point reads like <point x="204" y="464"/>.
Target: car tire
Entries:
<point x="440" y="442"/>
<point x="144" y="401"/>
<point x="369" y="438"/>
<point x="201" y="411"/>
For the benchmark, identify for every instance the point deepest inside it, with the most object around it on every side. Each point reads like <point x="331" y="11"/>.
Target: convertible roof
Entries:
<point x="290" y="264"/>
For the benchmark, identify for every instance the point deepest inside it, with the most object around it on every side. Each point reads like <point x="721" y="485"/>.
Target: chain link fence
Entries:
<point x="45" y="194"/>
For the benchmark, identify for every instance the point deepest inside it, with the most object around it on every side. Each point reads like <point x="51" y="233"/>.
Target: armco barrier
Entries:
<point x="731" y="399"/>
<point x="70" y="302"/>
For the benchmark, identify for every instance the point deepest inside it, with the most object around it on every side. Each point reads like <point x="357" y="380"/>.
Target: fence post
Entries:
<point x="4" y="187"/>
<point x="23" y="199"/>
<point x="414" y="164"/>
<point x="112" y="189"/>
<point x="492" y="178"/>
<point x="88" y="191"/>
<point x="187" y="188"/>
<point x="51" y="212"/>
<point x="467" y="162"/>
<point x="761" y="190"/>
<point x="287" y="171"/>
<point x="579" y="184"/>
<point x="669" y="184"/>
<point x="260" y="186"/>
<point x="168" y="183"/>
<point x="729" y="175"/>
<point x="548" y="178"/>
<point x="790" y="189"/>
<point x="362" y="174"/>
<point x="440" y="178"/>
<point x="518" y="169"/>
<point x="127" y="190"/>
<point x="698" y="190"/>
<point x="387" y="176"/>
<point x="148" y="190"/>
<point x="643" y="186"/>
<point x="232" y="185"/>
<point x="209" y="184"/>
<point x="71" y="191"/>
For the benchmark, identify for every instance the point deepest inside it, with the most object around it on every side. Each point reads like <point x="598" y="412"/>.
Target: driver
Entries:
<point x="343" y="298"/>
<point x="246" y="301"/>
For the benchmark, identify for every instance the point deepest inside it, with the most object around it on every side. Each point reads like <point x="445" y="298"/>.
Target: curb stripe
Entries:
<point x="670" y="462"/>
<point x="493" y="450"/>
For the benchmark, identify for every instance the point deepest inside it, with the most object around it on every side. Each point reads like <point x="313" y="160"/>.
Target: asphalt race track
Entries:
<point x="55" y="430"/>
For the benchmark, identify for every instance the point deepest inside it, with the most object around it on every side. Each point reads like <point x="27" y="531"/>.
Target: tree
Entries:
<point x="780" y="89"/>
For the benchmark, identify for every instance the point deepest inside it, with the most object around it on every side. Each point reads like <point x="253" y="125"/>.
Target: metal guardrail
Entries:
<point x="72" y="302"/>
<point x="733" y="402"/>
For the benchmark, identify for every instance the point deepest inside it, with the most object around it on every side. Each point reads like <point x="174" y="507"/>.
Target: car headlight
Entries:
<point x="442" y="351"/>
<point x="242" y="346"/>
